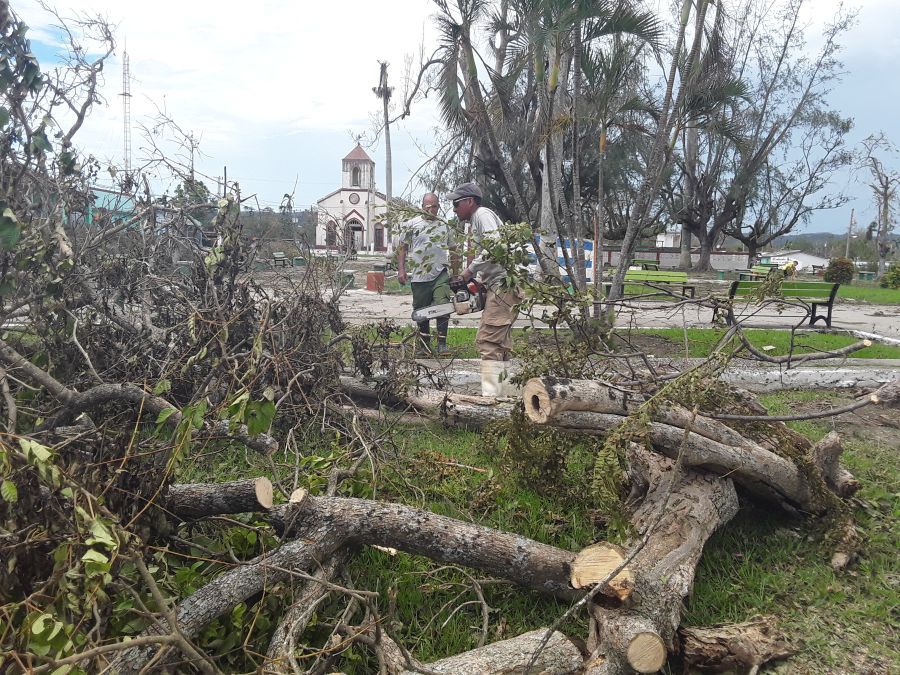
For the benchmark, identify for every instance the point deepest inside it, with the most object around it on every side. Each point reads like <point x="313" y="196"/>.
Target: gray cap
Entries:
<point x="465" y="190"/>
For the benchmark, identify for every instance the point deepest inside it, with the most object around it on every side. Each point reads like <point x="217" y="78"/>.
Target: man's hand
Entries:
<point x="459" y="281"/>
<point x="402" y="277"/>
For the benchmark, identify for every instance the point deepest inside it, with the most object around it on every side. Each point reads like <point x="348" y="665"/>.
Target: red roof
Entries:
<point x="358" y="153"/>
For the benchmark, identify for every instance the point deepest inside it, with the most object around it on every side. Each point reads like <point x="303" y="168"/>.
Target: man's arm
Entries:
<point x="487" y="223"/>
<point x="401" y="264"/>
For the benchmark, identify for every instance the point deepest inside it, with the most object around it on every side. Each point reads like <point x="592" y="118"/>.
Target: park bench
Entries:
<point x="757" y="272"/>
<point x="865" y="276"/>
<point x="656" y="278"/>
<point x="279" y="259"/>
<point x="817" y="294"/>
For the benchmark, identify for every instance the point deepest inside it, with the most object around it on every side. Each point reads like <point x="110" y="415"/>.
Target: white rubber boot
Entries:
<point x="493" y="374"/>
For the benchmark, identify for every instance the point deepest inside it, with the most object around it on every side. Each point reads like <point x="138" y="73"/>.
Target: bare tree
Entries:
<point x="884" y="189"/>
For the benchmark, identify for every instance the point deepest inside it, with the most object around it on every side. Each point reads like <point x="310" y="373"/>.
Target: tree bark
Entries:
<point x="710" y="445"/>
<point x="558" y="657"/>
<point x="675" y="519"/>
<point x="291" y="626"/>
<point x="190" y="501"/>
<point x="323" y="525"/>
<point x="738" y="647"/>
<point x="826" y="456"/>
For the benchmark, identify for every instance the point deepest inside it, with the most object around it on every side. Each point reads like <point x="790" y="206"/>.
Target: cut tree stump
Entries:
<point x="190" y="501"/>
<point x="738" y="647"/>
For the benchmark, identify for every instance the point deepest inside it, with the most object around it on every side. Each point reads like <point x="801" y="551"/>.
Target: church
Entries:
<point x="349" y="217"/>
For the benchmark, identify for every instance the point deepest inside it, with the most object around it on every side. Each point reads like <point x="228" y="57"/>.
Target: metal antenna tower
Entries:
<point x="126" y="104"/>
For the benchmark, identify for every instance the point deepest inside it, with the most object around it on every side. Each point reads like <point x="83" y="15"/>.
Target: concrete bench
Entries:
<point x="865" y="276"/>
<point x="279" y="259"/>
<point x="816" y="294"/>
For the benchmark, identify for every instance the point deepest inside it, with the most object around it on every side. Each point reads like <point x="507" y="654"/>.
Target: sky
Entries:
<point x="277" y="90"/>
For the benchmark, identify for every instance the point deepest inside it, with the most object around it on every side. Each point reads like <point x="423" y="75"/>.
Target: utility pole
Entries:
<point x="383" y="91"/>
<point x="126" y="108"/>
<point x="849" y="233"/>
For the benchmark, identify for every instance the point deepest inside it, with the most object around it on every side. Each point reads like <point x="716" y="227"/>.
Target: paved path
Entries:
<point x="361" y="306"/>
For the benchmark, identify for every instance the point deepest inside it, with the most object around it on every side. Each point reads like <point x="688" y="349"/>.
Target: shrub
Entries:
<point x="840" y="271"/>
<point x="891" y="278"/>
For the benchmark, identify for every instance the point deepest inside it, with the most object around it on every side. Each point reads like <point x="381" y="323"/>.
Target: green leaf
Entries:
<point x="40" y="142"/>
<point x="34" y="450"/>
<point x="9" y="491"/>
<point x="259" y="416"/>
<point x="4" y="116"/>
<point x="165" y="414"/>
<point x="40" y="624"/>
<point x="94" y="556"/>
<point x="101" y="535"/>
<point x="197" y="413"/>
<point x="162" y="387"/>
<point x="10" y="229"/>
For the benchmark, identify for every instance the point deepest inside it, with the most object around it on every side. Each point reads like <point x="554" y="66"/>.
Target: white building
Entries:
<point x="668" y="239"/>
<point x="805" y="262"/>
<point x="349" y="217"/>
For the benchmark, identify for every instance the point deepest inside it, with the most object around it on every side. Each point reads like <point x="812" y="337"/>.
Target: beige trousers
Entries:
<point x="494" y="337"/>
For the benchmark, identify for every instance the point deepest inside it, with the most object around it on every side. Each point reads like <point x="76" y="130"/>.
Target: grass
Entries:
<point x="872" y="294"/>
<point x="450" y="473"/>
<point x="762" y="562"/>
<point x="702" y="340"/>
<point x="394" y="287"/>
<point x="765" y="562"/>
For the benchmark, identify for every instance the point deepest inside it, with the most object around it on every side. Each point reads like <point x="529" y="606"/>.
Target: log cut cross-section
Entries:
<point x="596" y="563"/>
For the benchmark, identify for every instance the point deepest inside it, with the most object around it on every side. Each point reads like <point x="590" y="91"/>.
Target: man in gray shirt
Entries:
<point x="422" y="260"/>
<point x="494" y="337"/>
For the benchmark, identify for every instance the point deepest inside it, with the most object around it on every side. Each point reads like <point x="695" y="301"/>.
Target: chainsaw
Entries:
<point x="468" y="297"/>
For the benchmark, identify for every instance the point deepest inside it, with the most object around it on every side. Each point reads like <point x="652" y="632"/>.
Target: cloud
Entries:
<point x="248" y="75"/>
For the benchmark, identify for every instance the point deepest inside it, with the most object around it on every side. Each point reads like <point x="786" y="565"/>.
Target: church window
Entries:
<point x="354" y="177"/>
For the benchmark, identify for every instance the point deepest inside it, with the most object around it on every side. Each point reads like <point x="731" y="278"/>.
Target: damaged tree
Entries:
<point x="129" y="387"/>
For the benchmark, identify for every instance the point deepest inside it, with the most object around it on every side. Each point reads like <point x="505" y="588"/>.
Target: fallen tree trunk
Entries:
<point x="547" y="397"/>
<point x="190" y="501"/>
<point x="323" y="525"/>
<point x="710" y="445"/>
<point x="558" y="657"/>
<point x="675" y="519"/>
<point x="737" y="647"/>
